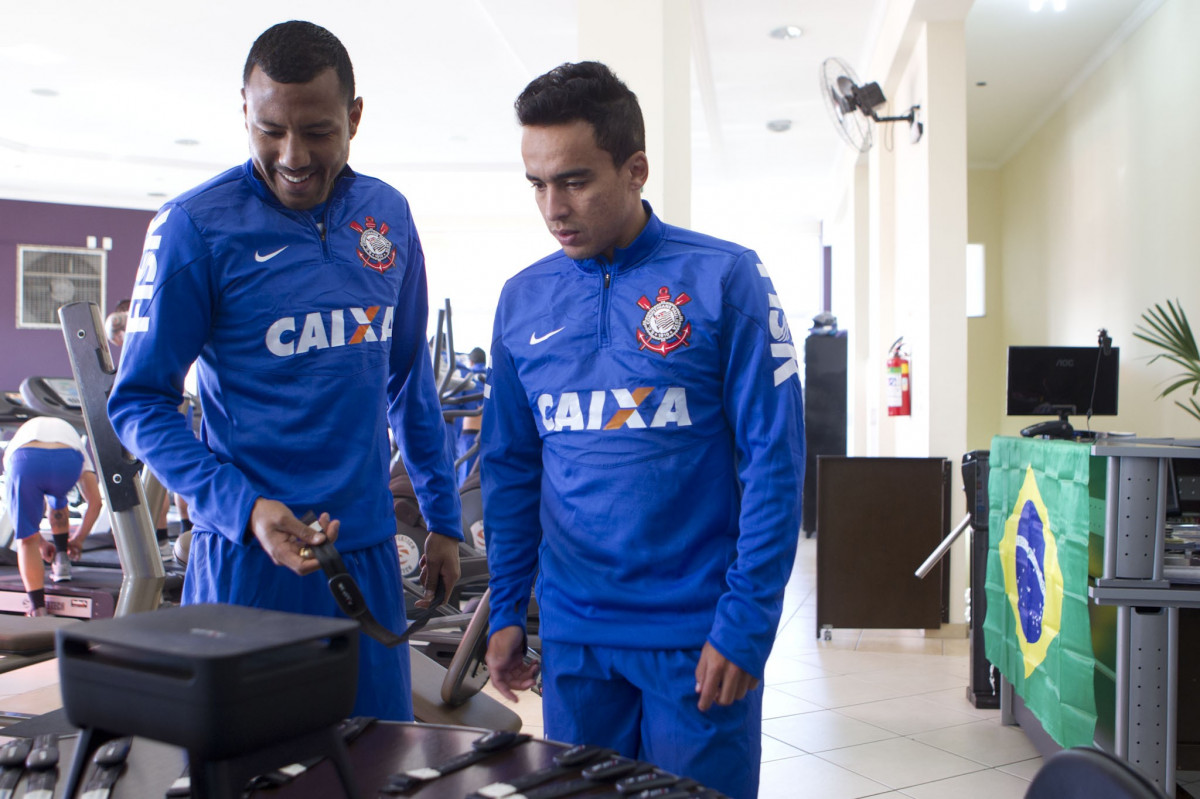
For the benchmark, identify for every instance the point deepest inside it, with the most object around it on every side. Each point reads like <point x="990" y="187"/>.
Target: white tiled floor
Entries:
<point x="884" y="713"/>
<point x="880" y="713"/>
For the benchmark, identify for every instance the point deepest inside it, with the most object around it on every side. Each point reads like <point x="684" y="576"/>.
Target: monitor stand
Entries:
<point x="1059" y="428"/>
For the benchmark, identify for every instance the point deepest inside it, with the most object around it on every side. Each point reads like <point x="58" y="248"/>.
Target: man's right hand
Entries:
<point x="506" y="662"/>
<point x="282" y="535"/>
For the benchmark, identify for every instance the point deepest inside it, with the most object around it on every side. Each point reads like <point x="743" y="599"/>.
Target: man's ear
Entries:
<point x="639" y="170"/>
<point x="356" y="109"/>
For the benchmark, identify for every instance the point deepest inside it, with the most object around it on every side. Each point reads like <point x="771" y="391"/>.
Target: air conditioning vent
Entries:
<point x="50" y="277"/>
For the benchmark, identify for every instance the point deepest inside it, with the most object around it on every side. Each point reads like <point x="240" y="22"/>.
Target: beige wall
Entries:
<point x="1098" y="218"/>
<point x="985" y="335"/>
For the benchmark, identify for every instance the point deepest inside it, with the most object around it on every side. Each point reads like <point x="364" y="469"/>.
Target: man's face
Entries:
<point x="590" y="205"/>
<point x="299" y="135"/>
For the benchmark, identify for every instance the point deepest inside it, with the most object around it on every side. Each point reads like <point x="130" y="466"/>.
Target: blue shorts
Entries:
<point x="642" y="703"/>
<point x="220" y="571"/>
<point x="38" y="475"/>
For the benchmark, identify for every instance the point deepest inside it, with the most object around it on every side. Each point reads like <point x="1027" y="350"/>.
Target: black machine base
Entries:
<point x="227" y="778"/>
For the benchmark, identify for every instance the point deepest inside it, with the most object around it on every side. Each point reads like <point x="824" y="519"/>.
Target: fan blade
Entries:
<point x="843" y="104"/>
<point x="839" y="85"/>
<point x="844" y="92"/>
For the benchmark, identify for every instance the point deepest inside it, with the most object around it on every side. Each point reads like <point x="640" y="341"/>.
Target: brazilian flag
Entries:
<point x="1046" y="511"/>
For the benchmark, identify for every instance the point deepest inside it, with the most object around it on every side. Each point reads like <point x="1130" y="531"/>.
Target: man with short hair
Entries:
<point x="298" y="287"/>
<point x="642" y="454"/>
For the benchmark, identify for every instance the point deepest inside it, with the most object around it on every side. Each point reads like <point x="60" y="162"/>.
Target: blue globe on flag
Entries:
<point x="1033" y="580"/>
<point x="1031" y="571"/>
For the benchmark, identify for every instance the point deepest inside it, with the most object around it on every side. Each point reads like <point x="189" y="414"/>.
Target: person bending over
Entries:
<point x="44" y="459"/>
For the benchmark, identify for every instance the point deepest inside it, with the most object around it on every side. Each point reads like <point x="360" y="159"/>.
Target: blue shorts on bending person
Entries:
<point x="37" y="476"/>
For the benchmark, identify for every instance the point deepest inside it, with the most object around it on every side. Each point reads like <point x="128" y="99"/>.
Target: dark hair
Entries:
<point x="296" y="52"/>
<point x="591" y="92"/>
<point x="477" y="355"/>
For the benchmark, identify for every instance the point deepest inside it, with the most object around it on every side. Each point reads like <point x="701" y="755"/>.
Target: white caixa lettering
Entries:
<point x="613" y="409"/>
<point x="320" y="330"/>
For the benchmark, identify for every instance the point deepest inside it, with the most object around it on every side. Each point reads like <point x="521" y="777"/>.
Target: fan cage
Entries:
<point x="51" y="277"/>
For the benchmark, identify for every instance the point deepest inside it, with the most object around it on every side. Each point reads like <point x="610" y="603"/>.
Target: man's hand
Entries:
<point x="717" y="679"/>
<point x="75" y="545"/>
<point x="46" y="549"/>
<point x="439" y="561"/>
<point x="282" y="535"/>
<point x="506" y="662"/>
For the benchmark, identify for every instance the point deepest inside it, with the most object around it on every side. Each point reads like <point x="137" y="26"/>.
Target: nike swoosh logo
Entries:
<point x="534" y="338"/>
<point x="258" y="256"/>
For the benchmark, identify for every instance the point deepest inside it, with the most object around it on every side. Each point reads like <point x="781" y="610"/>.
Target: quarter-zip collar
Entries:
<point x="636" y="253"/>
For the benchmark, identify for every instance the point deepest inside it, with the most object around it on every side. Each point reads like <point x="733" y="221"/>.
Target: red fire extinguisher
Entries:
<point x="899" y="394"/>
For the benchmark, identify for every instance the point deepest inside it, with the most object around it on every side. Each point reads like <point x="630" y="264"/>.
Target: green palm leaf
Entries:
<point x="1170" y="331"/>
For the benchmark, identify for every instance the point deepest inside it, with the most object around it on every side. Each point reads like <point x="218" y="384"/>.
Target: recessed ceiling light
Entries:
<point x="787" y="32"/>
<point x="45" y="92"/>
<point x="156" y="194"/>
<point x="187" y="142"/>
<point x="779" y="125"/>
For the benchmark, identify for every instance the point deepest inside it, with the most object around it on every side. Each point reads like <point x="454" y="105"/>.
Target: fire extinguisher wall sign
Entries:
<point x="899" y="394"/>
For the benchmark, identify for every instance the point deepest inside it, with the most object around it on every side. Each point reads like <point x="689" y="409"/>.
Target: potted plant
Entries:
<point x="1169" y="331"/>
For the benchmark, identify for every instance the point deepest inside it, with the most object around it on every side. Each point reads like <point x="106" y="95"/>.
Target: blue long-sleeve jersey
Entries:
<point x="309" y="338"/>
<point x="643" y="446"/>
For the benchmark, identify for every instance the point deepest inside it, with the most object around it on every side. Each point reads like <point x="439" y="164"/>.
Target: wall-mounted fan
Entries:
<point x="844" y="95"/>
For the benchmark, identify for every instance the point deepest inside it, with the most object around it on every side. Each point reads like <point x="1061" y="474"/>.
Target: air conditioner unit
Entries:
<point x="50" y="277"/>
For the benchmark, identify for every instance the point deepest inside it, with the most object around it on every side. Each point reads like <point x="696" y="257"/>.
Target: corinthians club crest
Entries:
<point x="374" y="249"/>
<point x="663" y="327"/>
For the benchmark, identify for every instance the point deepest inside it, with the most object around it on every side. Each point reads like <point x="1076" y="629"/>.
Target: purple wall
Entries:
<point x="42" y="352"/>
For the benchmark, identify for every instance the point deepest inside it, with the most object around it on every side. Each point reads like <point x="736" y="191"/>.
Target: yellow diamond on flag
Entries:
<point x="1033" y="580"/>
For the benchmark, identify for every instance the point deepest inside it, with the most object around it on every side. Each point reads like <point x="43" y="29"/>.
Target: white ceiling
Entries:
<point x="129" y="81"/>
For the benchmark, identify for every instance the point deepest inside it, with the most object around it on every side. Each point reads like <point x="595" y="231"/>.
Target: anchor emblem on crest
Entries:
<point x="664" y="327"/>
<point x="375" y="250"/>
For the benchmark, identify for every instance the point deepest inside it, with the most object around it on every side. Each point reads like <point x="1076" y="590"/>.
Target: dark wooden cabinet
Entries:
<point x="877" y="521"/>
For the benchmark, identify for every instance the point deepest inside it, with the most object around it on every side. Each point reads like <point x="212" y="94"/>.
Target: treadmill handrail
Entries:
<point x="133" y="529"/>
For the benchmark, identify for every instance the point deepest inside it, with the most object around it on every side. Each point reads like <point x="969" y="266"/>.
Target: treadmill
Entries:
<point x="54" y="396"/>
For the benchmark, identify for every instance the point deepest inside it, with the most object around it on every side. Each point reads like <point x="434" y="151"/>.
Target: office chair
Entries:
<point x="1086" y="772"/>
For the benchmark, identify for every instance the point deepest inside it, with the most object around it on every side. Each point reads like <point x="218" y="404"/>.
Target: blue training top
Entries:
<point x="643" y="445"/>
<point x="307" y="343"/>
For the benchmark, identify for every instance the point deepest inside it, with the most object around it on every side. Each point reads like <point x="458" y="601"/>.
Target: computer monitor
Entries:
<point x="1062" y="381"/>
<point x="66" y="390"/>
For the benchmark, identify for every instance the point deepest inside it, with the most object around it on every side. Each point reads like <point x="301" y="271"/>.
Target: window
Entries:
<point x="976" y="281"/>
<point x="51" y="277"/>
